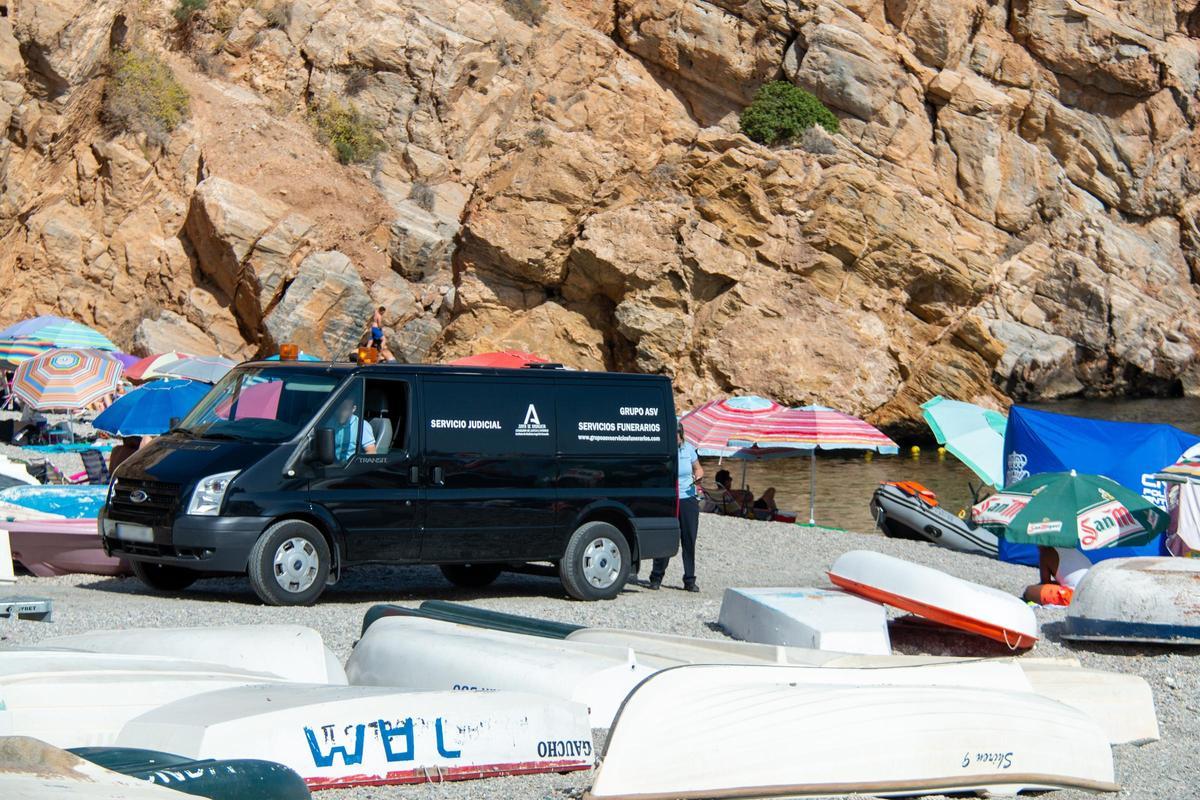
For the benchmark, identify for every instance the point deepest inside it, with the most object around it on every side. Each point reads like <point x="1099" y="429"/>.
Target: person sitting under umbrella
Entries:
<point x="1062" y="568"/>
<point x="729" y="501"/>
<point x="764" y="507"/>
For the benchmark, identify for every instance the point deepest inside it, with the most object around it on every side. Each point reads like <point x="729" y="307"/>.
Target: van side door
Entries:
<point x="370" y="489"/>
<point x="490" y="467"/>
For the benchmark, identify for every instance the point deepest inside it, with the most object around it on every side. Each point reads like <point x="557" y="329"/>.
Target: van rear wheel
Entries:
<point x="164" y="577"/>
<point x="596" y="563"/>
<point x="471" y="576"/>
<point x="289" y="564"/>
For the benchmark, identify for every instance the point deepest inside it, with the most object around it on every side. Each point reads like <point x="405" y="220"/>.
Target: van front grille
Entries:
<point x="158" y="508"/>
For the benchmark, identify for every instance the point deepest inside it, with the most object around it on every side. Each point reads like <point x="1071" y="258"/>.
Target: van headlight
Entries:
<point x="209" y="493"/>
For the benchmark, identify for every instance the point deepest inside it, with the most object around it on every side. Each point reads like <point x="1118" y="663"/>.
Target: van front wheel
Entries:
<point x="289" y="564"/>
<point x="164" y="577"/>
<point x="596" y="563"/>
<point x="471" y="576"/>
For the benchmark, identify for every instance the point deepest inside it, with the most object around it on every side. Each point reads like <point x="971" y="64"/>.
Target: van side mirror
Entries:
<point x="325" y="446"/>
<point x="173" y="423"/>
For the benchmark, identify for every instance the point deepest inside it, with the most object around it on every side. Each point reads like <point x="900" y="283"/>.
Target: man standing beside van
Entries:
<point x="690" y="474"/>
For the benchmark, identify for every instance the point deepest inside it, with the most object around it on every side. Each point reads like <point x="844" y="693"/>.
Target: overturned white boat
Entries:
<point x="1137" y="600"/>
<point x="30" y="769"/>
<point x="779" y="739"/>
<point x="75" y="699"/>
<point x="415" y="653"/>
<point x="342" y="736"/>
<point x="1122" y="705"/>
<point x="823" y="619"/>
<point x="937" y="596"/>
<point x="292" y="652"/>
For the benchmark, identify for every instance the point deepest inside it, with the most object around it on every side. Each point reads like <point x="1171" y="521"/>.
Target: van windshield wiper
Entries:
<point x="182" y="430"/>
<point x="223" y="436"/>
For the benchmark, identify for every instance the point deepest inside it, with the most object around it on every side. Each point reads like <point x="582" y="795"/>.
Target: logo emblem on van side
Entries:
<point x="138" y="496"/>
<point x="532" y="426"/>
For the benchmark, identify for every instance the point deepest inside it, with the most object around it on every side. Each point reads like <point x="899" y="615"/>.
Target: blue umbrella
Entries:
<point x="302" y="357"/>
<point x="149" y="409"/>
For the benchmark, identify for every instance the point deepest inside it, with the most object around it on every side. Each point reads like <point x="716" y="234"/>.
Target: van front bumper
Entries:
<point x="205" y="544"/>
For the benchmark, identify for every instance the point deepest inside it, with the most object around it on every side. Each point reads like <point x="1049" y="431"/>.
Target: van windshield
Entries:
<point x="262" y="404"/>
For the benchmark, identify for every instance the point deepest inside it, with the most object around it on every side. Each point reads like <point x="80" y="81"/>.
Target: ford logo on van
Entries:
<point x="138" y="496"/>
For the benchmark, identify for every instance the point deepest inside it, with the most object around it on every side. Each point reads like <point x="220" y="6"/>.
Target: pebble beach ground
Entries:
<point x="731" y="553"/>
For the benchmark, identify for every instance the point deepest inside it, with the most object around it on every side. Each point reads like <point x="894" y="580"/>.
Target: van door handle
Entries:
<point x="439" y="476"/>
<point x="414" y="475"/>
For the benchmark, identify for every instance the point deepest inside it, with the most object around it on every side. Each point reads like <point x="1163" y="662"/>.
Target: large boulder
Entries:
<point x="325" y="308"/>
<point x="168" y="332"/>
<point x="247" y="245"/>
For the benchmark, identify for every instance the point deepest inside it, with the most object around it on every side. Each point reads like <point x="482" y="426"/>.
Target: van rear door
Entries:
<point x="489" y="467"/>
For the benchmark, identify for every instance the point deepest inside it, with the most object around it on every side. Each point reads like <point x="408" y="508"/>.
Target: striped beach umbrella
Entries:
<point x="17" y="349"/>
<point x="752" y="427"/>
<point x="66" y="379"/>
<point x="208" y="369"/>
<point x="145" y="369"/>
<point x="62" y="332"/>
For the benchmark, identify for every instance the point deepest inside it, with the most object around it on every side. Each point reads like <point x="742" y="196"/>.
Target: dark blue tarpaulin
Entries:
<point x="1128" y="452"/>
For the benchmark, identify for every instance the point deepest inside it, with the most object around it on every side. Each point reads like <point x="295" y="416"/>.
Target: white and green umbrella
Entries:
<point x="973" y="434"/>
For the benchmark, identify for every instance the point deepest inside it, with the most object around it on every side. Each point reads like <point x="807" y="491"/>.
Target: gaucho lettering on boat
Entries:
<point x="342" y="736"/>
<point x="290" y="472"/>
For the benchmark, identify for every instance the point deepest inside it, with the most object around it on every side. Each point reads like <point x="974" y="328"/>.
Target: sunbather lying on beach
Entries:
<point x="1061" y="570"/>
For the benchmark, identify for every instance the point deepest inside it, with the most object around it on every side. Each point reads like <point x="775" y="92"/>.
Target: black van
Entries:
<point x="289" y="472"/>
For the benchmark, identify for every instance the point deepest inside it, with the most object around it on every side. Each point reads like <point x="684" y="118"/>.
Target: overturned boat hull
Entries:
<point x="225" y="779"/>
<point x="902" y="514"/>
<point x="74" y="699"/>
<point x="291" y="652"/>
<point x="822" y="619"/>
<point x="50" y="547"/>
<point x="780" y="739"/>
<point x="416" y="653"/>
<point x="1150" y="600"/>
<point x="937" y="596"/>
<point x="30" y="769"/>
<point x="343" y="736"/>
<point x="1122" y="705"/>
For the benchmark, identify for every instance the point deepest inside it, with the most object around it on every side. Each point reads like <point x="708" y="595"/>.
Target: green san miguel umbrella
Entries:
<point x="1070" y="509"/>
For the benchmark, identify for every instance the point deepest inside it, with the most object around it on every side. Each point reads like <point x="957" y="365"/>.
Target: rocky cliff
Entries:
<point x="1008" y="210"/>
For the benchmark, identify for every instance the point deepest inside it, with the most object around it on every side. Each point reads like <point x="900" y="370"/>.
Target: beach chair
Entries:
<point x="722" y="501"/>
<point x="96" y="467"/>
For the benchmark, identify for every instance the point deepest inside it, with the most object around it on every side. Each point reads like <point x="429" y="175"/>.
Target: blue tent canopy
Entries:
<point x="1128" y="452"/>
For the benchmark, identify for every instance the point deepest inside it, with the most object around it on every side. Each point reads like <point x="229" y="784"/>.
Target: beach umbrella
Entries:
<point x="63" y="333"/>
<point x="196" y="368"/>
<point x="145" y="369"/>
<point x="973" y="434"/>
<point x="504" y="359"/>
<point x="1071" y="509"/>
<point x="126" y="359"/>
<point x="302" y="357"/>
<point x="752" y="427"/>
<point x="16" y="349"/>
<point x="66" y="379"/>
<point x="149" y="409"/>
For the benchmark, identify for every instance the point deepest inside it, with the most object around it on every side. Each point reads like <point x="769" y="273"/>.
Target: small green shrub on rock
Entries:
<point x="143" y="95"/>
<point x="185" y="10"/>
<point x="781" y="112"/>
<point x="343" y="127"/>
<point x="528" y="11"/>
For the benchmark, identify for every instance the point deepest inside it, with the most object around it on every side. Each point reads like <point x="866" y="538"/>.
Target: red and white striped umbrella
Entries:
<point x="147" y="368"/>
<point x="66" y="379"/>
<point x="752" y="427"/>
